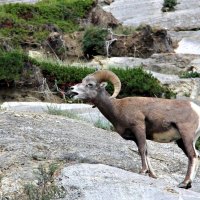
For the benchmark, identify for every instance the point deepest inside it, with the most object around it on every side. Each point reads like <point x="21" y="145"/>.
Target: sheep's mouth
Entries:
<point x="73" y="94"/>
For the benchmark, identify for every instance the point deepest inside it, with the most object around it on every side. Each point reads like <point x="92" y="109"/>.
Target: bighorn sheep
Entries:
<point x="141" y="118"/>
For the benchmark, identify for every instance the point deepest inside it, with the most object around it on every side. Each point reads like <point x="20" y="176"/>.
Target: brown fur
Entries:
<point x="141" y="118"/>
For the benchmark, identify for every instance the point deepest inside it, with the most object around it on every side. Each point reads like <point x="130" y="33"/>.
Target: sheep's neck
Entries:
<point x="106" y="107"/>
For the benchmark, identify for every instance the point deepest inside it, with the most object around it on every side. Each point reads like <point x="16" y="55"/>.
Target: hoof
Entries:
<point x="147" y="172"/>
<point x="185" y="185"/>
<point x="144" y="172"/>
<point x="152" y="175"/>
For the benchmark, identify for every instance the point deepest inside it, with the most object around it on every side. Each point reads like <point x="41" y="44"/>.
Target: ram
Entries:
<point x="145" y="118"/>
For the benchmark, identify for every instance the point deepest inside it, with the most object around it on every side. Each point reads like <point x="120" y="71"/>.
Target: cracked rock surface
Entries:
<point x="28" y="140"/>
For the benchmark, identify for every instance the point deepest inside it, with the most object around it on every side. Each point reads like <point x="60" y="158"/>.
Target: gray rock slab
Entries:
<point x="132" y="12"/>
<point x="178" y="35"/>
<point x="101" y="182"/>
<point x="30" y="139"/>
<point x="43" y="106"/>
<point x="83" y="112"/>
<point x="165" y="63"/>
<point x="189" y="46"/>
<point x="135" y="13"/>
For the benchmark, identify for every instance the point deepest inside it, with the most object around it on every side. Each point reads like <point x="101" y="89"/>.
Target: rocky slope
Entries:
<point x="29" y="140"/>
<point x="135" y="13"/>
<point x="94" y="163"/>
<point x="182" y="26"/>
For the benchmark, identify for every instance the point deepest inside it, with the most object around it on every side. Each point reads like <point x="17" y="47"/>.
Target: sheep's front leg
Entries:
<point x="140" y="135"/>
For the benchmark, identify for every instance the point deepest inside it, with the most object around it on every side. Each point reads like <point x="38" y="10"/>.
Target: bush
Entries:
<point x="63" y="74"/>
<point x="45" y="189"/>
<point x="32" y="23"/>
<point x="12" y="65"/>
<point x="169" y="5"/>
<point x="135" y="82"/>
<point x="190" y="75"/>
<point x="125" y="30"/>
<point x="94" y="41"/>
<point x="198" y="144"/>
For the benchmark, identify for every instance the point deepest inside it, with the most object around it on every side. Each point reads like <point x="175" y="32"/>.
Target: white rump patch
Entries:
<point x="196" y="108"/>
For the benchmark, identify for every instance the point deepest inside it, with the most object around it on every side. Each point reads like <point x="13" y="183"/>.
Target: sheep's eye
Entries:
<point x="90" y="85"/>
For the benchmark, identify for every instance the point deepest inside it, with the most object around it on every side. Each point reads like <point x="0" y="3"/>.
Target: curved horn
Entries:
<point x="106" y="75"/>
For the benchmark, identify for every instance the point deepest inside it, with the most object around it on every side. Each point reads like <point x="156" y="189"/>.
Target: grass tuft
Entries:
<point x="55" y="110"/>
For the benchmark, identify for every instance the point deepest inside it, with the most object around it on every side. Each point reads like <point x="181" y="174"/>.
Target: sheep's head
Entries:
<point x="93" y="84"/>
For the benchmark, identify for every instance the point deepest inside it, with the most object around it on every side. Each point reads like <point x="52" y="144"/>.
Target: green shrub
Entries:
<point x="103" y="125"/>
<point x="94" y="41"/>
<point x="169" y="5"/>
<point x="45" y="189"/>
<point x="198" y="144"/>
<point x="135" y="82"/>
<point x="11" y="65"/>
<point x="124" y="30"/>
<point x="190" y="75"/>
<point x="55" y="110"/>
<point x="31" y="23"/>
<point x="63" y="74"/>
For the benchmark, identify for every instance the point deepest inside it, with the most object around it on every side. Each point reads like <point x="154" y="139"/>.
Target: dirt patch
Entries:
<point x="142" y="43"/>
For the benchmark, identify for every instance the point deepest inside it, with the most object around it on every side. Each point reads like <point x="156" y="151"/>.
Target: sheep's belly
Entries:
<point x="166" y="136"/>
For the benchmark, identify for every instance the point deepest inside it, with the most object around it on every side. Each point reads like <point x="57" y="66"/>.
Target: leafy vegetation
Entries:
<point x="169" y="5"/>
<point x="198" y="144"/>
<point x="68" y="75"/>
<point x="103" y="125"/>
<point x="31" y="23"/>
<point x="94" y="41"/>
<point x="135" y="82"/>
<point x="99" y="123"/>
<point x="45" y="189"/>
<point x="12" y="65"/>
<point x="190" y="75"/>
<point x="42" y="188"/>
<point x="125" y="30"/>
<point x="54" y="110"/>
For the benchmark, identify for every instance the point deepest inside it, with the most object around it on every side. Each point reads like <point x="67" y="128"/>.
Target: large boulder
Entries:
<point x="29" y="140"/>
<point x="183" y="22"/>
<point x="135" y="13"/>
<point x="100" y="17"/>
<point x="102" y="182"/>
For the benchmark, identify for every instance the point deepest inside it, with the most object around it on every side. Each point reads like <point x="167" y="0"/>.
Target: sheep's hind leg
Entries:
<point x="188" y="147"/>
<point x="151" y="171"/>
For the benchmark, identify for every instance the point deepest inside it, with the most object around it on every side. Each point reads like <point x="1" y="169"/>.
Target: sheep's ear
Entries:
<point x="103" y="84"/>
